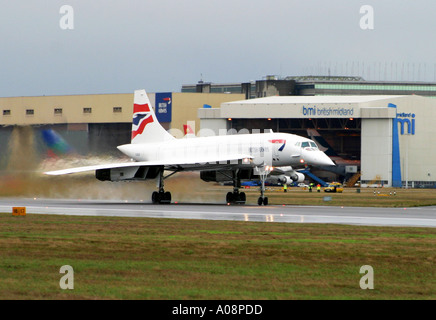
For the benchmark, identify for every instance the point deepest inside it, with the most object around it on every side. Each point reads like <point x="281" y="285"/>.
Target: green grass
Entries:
<point x="367" y="197"/>
<point x="141" y="258"/>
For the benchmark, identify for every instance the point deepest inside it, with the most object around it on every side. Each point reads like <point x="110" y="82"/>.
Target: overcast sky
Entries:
<point x="120" y="46"/>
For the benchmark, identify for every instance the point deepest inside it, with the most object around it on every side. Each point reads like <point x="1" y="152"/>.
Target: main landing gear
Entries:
<point x="161" y="196"/>
<point x="236" y="197"/>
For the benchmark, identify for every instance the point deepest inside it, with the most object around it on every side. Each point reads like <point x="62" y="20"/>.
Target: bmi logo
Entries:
<point x="406" y="119"/>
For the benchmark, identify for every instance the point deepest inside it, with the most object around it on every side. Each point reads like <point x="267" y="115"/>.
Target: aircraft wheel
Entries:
<point x="155" y="197"/>
<point x="263" y="201"/>
<point x="166" y="197"/>
<point x="242" y="197"/>
<point x="229" y="197"/>
<point x="161" y="197"/>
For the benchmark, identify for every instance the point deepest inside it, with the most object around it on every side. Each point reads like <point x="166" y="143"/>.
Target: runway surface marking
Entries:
<point x="415" y="217"/>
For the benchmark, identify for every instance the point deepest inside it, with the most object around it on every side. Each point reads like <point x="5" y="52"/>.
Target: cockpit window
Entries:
<point x="309" y="145"/>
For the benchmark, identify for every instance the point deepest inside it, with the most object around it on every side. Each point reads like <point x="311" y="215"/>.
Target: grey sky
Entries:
<point x="120" y="46"/>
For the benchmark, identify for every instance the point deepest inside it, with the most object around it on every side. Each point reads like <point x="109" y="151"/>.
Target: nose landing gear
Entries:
<point x="262" y="200"/>
<point x="263" y="173"/>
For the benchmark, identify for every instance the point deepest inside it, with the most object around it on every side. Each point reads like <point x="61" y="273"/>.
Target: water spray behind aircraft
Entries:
<point x="31" y="151"/>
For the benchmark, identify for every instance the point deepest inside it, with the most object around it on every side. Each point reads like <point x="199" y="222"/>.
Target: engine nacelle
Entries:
<point x="127" y="173"/>
<point x="284" y="179"/>
<point x="297" y="177"/>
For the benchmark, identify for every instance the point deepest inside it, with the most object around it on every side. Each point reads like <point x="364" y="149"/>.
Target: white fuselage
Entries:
<point x="271" y="149"/>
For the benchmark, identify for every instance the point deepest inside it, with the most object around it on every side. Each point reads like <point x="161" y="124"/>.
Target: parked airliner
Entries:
<point x="340" y="162"/>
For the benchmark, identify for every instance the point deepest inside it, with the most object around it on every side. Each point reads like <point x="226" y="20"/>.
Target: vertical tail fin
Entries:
<point x="145" y="126"/>
<point x="189" y="132"/>
<point x="56" y="145"/>
<point x="187" y="129"/>
<point x="323" y="145"/>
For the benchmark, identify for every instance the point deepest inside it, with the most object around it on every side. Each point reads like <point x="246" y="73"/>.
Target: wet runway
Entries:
<point x="413" y="217"/>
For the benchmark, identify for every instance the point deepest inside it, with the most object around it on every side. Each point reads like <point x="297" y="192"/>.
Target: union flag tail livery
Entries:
<point x="145" y="126"/>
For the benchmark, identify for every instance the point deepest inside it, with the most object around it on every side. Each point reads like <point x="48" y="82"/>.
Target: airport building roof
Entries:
<point x="312" y="99"/>
<point x="302" y="107"/>
<point x="317" y="86"/>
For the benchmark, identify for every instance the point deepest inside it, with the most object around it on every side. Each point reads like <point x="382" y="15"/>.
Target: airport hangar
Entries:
<point x="393" y="136"/>
<point x="97" y="123"/>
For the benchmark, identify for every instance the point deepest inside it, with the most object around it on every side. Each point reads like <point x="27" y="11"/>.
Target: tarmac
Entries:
<point x="410" y="217"/>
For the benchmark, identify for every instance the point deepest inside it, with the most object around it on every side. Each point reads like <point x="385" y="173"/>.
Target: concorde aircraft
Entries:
<point x="235" y="158"/>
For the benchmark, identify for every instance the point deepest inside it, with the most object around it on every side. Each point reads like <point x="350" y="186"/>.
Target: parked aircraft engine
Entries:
<point x="284" y="179"/>
<point x="297" y="177"/>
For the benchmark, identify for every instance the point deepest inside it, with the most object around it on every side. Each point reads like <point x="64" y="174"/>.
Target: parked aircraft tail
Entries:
<point x="189" y="132"/>
<point x="145" y="126"/>
<point x="323" y="145"/>
<point x="187" y="129"/>
<point x="56" y="145"/>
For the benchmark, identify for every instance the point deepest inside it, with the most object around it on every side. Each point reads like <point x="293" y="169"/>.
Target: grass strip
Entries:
<point x="142" y="258"/>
